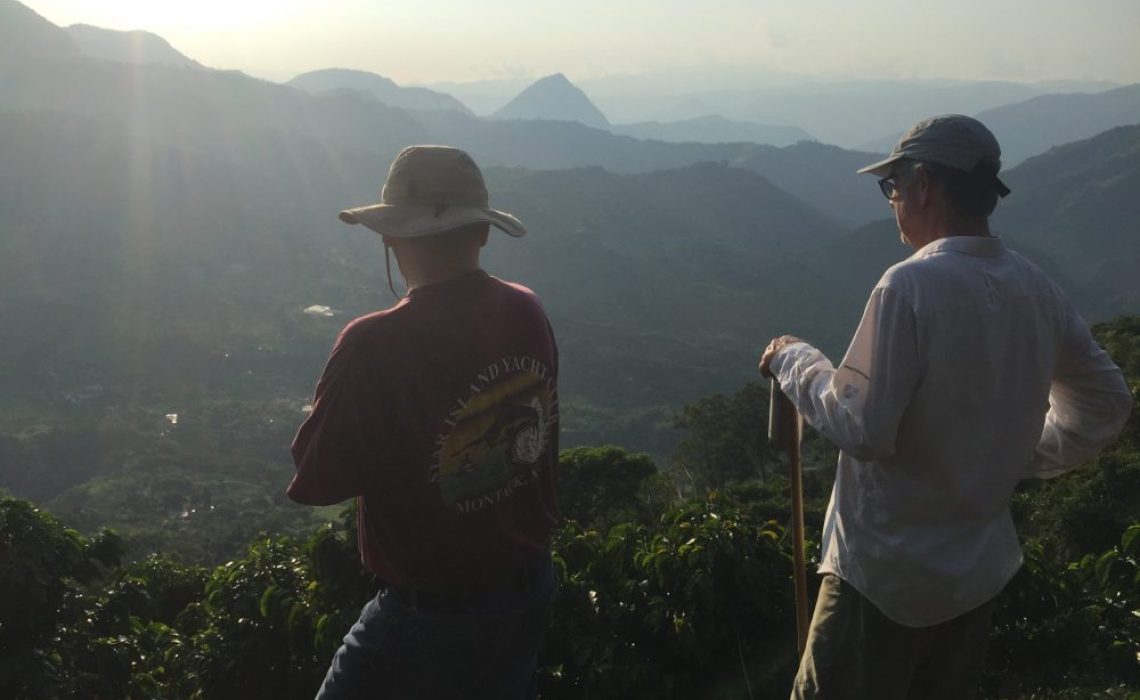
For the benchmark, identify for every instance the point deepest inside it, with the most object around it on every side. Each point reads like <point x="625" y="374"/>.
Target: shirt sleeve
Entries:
<point x="1089" y="402"/>
<point x="859" y="405"/>
<point x="333" y="444"/>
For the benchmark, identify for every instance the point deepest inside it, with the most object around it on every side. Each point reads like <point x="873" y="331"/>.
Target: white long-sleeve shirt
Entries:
<point x="970" y="371"/>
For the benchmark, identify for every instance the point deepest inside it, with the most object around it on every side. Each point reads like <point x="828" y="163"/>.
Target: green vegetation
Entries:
<point x="163" y="231"/>
<point x="668" y="588"/>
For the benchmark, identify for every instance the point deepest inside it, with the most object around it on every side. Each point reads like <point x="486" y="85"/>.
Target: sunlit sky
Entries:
<point x="423" y="41"/>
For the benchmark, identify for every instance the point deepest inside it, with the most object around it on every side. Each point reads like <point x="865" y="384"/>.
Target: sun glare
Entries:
<point x="198" y="15"/>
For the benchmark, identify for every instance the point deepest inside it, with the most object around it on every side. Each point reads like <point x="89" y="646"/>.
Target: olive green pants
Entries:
<point x="855" y="652"/>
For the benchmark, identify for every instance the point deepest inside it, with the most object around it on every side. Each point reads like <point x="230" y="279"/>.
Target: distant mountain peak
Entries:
<point x="25" y="35"/>
<point x="554" y="97"/>
<point x="132" y="46"/>
<point x="384" y="89"/>
<point x="343" y="75"/>
<point x="554" y="78"/>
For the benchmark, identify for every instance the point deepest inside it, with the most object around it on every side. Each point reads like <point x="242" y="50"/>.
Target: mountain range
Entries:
<point x="1078" y="204"/>
<point x="1032" y="127"/>
<point x="383" y="89"/>
<point x="1072" y="210"/>
<point x="163" y="232"/>
<point x="135" y="47"/>
<point x="713" y="128"/>
<point x="1025" y="127"/>
<point x="554" y="98"/>
<point x="847" y="114"/>
<point x="213" y="110"/>
<point x="25" y="36"/>
<point x="822" y="175"/>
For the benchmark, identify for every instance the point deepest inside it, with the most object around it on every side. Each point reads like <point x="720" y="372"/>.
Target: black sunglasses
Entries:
<point x="889" y="187"/>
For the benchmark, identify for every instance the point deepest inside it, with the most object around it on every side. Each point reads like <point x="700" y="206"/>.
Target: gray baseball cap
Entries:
<point x="953" y="140"/>
<point x="431" y="189"/>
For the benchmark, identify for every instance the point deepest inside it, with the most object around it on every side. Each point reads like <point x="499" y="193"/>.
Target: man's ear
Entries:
<point x="484" y="236"/>
<point x="923" y="187"/>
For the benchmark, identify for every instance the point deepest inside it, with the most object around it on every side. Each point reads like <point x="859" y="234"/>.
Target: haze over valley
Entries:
<point x="169" y="243"/>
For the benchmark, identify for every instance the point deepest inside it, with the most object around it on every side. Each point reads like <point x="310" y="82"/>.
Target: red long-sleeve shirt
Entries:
<point x="440" y="415"/>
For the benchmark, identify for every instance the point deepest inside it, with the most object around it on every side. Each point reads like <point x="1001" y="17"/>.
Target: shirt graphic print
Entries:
<point x="493" y="438"/>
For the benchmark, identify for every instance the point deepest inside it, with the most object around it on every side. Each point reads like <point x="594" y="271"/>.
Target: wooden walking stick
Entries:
<point x="785" y="430"/>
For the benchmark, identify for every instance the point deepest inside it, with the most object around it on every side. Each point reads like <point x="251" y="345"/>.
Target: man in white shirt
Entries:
<point x="969" y="371"/>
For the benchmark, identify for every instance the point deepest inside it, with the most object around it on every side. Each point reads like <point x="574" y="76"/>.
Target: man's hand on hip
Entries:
<point x="774" y="347"/>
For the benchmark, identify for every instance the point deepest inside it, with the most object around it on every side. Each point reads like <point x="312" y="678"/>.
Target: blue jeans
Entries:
<point x="489" y="649"/>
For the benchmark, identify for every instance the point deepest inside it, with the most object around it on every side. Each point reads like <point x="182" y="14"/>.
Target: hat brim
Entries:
<point x="414" y="221"/>
<point x="883" y="167"/>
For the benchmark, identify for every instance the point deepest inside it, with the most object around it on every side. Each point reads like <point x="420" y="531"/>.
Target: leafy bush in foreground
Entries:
<point x="697" y="604"/>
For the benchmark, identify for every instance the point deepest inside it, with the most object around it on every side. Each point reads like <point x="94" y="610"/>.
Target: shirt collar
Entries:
<point x="459" y="282"/>
<point x="977" y="246"/>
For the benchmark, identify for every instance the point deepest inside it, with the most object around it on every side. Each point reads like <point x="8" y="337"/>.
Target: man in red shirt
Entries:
<point x="440" y="416"/>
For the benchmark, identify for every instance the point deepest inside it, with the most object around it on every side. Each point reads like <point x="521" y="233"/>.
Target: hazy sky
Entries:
<point x="414" y="41"/>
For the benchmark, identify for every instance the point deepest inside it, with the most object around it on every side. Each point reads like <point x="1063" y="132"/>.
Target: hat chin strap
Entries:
<point x="388" y="269"/>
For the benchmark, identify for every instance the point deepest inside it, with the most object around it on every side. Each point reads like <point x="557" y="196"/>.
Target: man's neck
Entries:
<point x="976" y="227"/>
<point x="947" y="229"/>
<point x="437" y="275"/>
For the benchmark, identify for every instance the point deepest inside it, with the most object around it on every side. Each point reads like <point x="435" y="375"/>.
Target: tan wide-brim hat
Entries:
<point x="431" y="189"/>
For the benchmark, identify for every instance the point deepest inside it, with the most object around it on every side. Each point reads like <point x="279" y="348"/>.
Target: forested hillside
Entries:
<point x="671" y="586"/>
<point x="170" y="252"/>
<point x="173" y="274"/>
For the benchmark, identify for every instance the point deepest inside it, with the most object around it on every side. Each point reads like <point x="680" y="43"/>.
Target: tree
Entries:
<point x="694" y="605"/>
<point x="1121" y="338"/>
<point x="659" y="598"/>
<point x="45" y="627"/>
<point x="1084" y="510"/>
<point x="601" y="486"/>
<point x="726" y="438"/>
